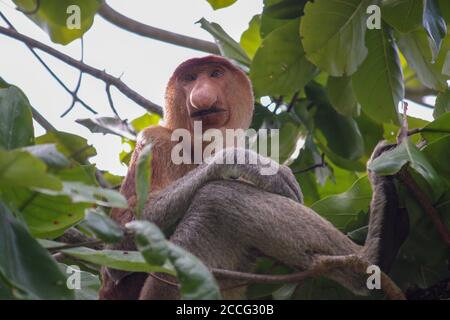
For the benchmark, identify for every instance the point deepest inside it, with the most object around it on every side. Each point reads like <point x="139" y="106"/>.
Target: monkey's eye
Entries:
<point x="189" y="77"/>
<point x="216" y="74"/>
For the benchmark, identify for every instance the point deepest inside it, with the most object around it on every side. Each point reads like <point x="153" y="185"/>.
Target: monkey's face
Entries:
<point x="210" y="90"/>
<point x="205" y="90"/>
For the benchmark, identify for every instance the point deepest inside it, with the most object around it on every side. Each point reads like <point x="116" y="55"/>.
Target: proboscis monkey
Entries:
<point x="226" y="222"/>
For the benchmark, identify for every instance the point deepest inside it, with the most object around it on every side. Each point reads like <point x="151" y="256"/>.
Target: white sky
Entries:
<point x="146" y="64"/>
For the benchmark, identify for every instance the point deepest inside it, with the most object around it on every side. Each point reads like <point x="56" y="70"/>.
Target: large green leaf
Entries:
<point x="337" y="132"/>
<point x="196" y="282"/>
<point x="393" y="160"/>
<point x="434" y="25"/>
<point x="414" y="46"/>
<point x="438" y="153"/>
<point x="378" y="83"/>
<point x="145" y="121"/>
<point x="20" y="169"/>
<point x="71" y="145"/>
<point x="98" y="223"/>
<point x="437" y="129"/>
<point x="250" y="38"/>
<point x="342" y="209"/>
<point x="333" y="34"/>
<point x="279" y="66"/>
<point x="28" y="269"/>
<point x="46" y="216"/>
<point x="219" y="4"/>
<point x="442" y="104"/>
<point x="341" y="95"/>
<point x="268" y="22"/>
<point x="227" y="45"/>
<point x="121" y="260"/>
<point x="286" y="9"/>
<point x="402" y="15"/>
<point x="52" y="16"/>
<point x="49" y="154"/>
<point x="16" y="124"/>
<point x="80" y="192"/>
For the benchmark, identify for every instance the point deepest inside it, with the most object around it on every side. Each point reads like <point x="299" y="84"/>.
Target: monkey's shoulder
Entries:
<point x="154" y="134"/>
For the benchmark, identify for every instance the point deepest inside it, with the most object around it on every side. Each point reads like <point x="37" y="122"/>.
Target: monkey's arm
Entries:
<point x="167" y="207"/>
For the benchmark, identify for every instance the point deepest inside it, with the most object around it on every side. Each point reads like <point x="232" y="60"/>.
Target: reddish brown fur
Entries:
<point x="234" y="93"/>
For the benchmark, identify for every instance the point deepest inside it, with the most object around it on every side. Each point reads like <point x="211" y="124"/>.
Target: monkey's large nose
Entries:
<point x="203" y="97"/>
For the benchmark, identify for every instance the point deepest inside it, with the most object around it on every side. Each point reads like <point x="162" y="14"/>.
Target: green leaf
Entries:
<point x="55" y="18"/>
<point x="19" y="168"/>
<point x="341" y="95"/>
<point x="286" y="9"/>
<point x="227" y="45"/>
<point x="437" y="129"/>
<point x="145" y="121"/>
<point x="219" y="4"/>
<point x="107" y="125"/>
<point x="434" y="25"/>
<point x="49" y="154"/>
<point x="390" y="162"/>
<point x="16" y="124"/>
<point x="25" y="265"/>
<point x="143" y="178"/>
<point x="122" y="260"/>
<point x="150" y="241"/>
<point x="438" y="153"/>
<point x="80" y="192"/>
<point x="46" y="216"/>
<point x="442" y="104"/>
<point x="415" y="48"/>
<point x="333" y="35"/>
<point x="403" y="15"/>
<point x="71" y="145"/>
<point x="279" y="66"/>
<point x="378" y="83"/>
<point x="98" y="223"/>
<point x="338" y="133"/>
<point x="196" y="281"/>
<point x="250" y="38"/>
<point x="89" y="283"/>
<point x="342" y="209"/>
<point x="268" y="22"/>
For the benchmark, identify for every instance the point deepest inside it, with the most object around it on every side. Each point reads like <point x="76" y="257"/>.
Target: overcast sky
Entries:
<point x="146" y="64"/>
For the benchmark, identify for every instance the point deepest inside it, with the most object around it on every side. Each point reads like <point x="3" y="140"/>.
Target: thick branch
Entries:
<point x="99" y="74"/>
<point x="116" y="18"/>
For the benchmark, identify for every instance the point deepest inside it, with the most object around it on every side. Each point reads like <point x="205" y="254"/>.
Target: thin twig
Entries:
<point x="322" y="164"/>
<point x="110" y="100"/>
<point x="293" y="101"/>
<point x="99" y="74"/>
<point x="49" y="70"/>
<point x="116" y="18"/>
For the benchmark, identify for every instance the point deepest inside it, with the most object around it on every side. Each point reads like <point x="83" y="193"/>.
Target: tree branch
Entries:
<point x="99" y="74"/>
<point x="116" y="18"/>
<point x="425" y="203"/>
<point x="321" y="267"/>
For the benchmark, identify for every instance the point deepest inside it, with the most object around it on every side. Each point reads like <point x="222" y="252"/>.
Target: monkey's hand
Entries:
<point x="266" y="174"/>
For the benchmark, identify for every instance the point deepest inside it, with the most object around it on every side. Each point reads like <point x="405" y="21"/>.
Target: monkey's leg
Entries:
<point x="228" y="220"/>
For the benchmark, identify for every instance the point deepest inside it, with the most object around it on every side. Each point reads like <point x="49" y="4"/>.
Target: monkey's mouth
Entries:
<point x="206" y="112"/>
